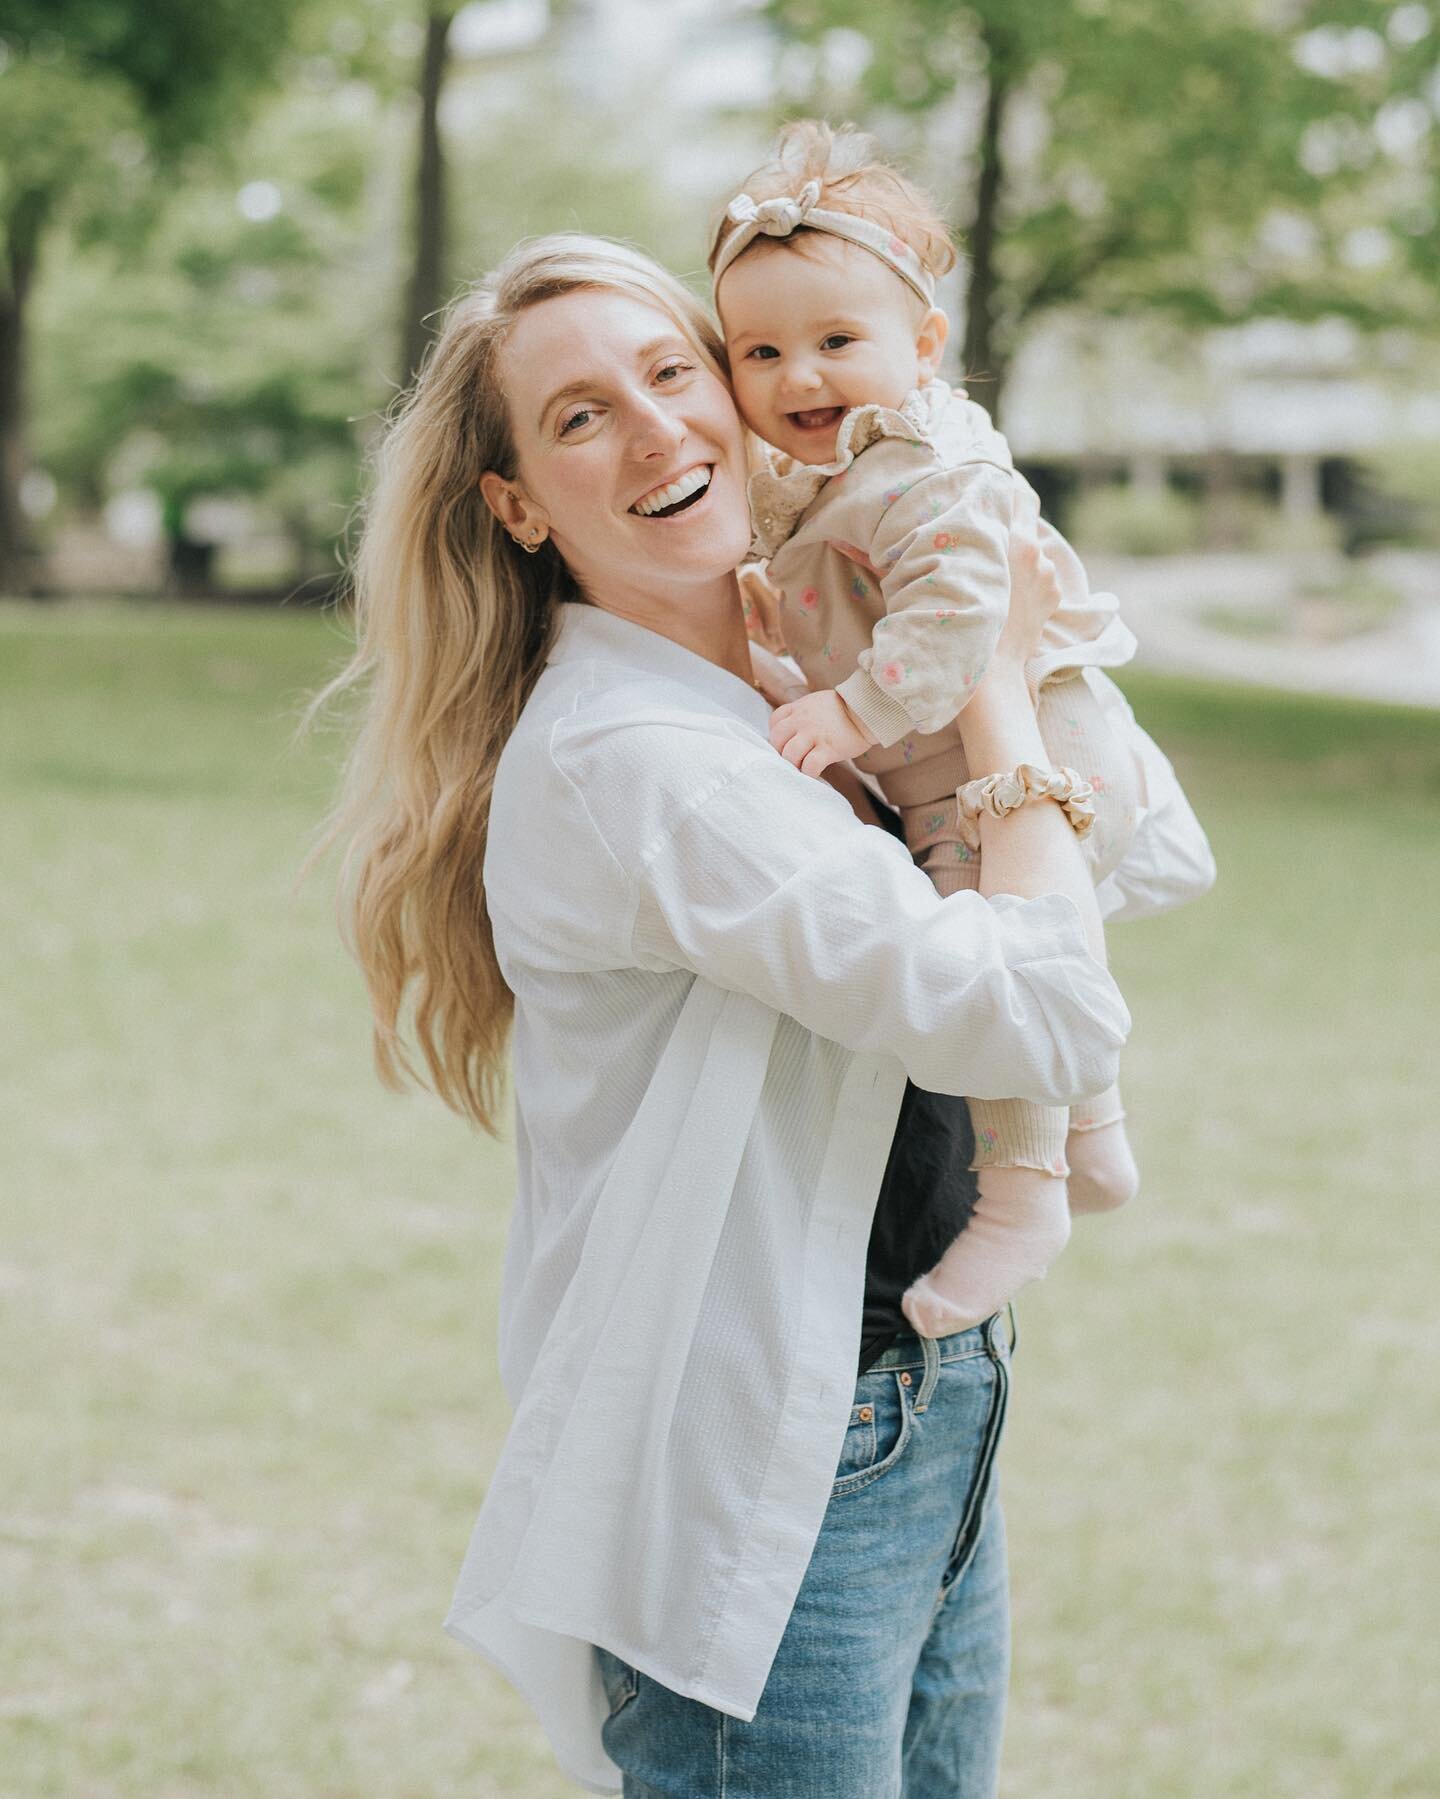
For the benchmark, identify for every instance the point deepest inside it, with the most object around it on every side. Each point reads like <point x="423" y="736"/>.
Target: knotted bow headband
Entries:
<point x="786" y="213"/>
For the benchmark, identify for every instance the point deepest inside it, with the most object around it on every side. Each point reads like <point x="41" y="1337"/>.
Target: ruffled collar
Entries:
<point x="782" y="489"/>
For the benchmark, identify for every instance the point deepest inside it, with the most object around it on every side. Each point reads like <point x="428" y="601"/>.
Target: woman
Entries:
<point x="710" y="1561"/>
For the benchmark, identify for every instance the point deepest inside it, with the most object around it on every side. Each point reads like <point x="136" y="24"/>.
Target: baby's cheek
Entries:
<point x="742" y="384"/>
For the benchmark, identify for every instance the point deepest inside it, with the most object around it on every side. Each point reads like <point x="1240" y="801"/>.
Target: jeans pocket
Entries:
<point x="879" y="1431"/>
<point x="620" y="1681"/>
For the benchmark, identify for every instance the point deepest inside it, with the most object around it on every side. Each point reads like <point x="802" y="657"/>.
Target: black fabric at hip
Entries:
<point x="926" y="1198"/>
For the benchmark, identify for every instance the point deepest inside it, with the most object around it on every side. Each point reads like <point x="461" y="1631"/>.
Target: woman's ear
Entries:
<point x="526" y="522"/>
<point x="930" y="342"/>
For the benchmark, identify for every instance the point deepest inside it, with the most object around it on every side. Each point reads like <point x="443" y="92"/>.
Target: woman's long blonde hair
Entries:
<point x="453" y="624"/>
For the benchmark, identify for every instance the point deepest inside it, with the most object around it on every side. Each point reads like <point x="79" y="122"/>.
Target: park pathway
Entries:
<point x="1164" y="600"/>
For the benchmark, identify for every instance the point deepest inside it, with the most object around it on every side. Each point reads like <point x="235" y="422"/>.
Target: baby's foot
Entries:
<point x="1103" y="1175"/>
<point x="1020" y="1224"/>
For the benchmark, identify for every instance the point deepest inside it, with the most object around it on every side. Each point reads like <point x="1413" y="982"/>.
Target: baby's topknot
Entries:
<point x="853" y="179"/>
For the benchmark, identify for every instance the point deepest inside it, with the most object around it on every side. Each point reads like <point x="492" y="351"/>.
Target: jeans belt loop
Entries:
<point x="931" y="1375"/>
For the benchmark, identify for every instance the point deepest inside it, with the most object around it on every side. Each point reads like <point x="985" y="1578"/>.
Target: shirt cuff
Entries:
<point x="1085" y="1018"/>
<point x="875" y="709"/>
<point x="1036" y="930"/>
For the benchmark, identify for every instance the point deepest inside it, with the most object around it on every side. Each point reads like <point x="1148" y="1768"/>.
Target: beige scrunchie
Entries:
<point x="1002" y="793"/>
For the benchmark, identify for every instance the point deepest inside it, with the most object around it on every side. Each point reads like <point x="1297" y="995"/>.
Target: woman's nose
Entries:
<point x="653" y="429"/>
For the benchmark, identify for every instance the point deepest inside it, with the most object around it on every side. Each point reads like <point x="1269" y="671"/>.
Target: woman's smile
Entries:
<point x="677" y="493"/>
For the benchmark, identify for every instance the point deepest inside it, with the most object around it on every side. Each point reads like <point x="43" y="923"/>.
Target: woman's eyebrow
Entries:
<point x="562" y="393"/>
<point x="585" y="384"/>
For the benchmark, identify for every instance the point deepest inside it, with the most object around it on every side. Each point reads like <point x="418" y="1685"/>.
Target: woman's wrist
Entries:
<point x="1004" y="673"/>
<point x="998" y="728"/>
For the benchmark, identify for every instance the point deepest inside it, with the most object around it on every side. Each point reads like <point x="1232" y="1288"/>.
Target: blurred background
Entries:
<point x="247" y="1299"/>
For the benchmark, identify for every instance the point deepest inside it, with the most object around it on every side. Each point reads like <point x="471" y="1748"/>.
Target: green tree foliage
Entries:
<point x="244" y="348"/>
<point x="248" y="341"/>
<point x="90" y="91"/>
<point x="1212" y="162"/>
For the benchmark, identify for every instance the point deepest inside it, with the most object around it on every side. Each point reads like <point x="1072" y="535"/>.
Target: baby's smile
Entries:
<point x="813" y="333"/>
<point x="817" y="419"/>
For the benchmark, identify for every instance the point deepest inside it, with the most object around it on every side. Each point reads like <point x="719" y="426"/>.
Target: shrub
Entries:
<point x="1130" y="521"/>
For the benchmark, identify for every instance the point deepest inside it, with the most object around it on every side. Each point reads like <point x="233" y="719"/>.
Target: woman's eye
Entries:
<point x="672" y="368"/>
<point x="571" y="420"/>
<point x="837" y="340"/>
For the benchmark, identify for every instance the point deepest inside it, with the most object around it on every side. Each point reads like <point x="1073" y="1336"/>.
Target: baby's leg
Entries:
<point x="1075" y="731"/>
<point x="1021" y="1220"/>
<point x="1103" y="1174"/>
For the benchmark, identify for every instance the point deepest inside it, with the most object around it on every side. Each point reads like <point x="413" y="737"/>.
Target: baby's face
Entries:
<point x="812" y="332"/>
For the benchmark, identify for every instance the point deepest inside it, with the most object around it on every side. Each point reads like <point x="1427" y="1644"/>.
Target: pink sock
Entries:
<point x="1020" y="1224"/>
<point x="1103" y="1174"/>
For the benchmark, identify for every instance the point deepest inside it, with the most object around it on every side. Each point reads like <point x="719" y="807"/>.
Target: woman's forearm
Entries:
<point x="1034" y="849"/>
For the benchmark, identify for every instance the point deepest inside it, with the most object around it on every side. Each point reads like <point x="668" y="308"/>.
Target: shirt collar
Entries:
<point x="590" y="631"/>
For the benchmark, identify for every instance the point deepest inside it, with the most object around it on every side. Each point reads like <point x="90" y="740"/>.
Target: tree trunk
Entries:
<point x="191" y="568"/>
<point x="22" y="240"/>
<point x="983" y="362"/>
<point x="425" y="292"/>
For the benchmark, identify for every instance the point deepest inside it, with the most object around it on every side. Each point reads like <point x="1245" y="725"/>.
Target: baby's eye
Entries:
<point x="762" y="353"/>
<point x="837" y="340"/>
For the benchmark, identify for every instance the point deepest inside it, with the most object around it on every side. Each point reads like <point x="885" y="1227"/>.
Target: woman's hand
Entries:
<point x="1034" y="587"/>
<point x="1033" y="850"/>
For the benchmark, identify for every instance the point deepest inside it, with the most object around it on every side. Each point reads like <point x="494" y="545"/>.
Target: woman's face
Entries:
<point x="631" y="454"/>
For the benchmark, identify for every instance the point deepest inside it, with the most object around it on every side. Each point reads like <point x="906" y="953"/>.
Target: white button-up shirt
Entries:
<point x="721" y="980"/>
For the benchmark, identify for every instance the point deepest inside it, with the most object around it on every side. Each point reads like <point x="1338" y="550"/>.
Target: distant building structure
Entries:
<point x="1276" y="409"/>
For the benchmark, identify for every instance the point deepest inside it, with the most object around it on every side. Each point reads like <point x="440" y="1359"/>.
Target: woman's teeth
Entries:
<point x="685" y="487"/>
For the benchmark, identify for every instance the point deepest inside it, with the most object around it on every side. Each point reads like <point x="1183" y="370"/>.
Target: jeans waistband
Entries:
<point x="998" y="1335"/>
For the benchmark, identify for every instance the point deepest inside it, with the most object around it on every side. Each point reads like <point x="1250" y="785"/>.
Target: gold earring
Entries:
<point x="534" y="544"/>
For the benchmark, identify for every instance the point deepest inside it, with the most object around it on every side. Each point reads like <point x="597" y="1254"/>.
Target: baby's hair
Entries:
<point x="853" y="179"/>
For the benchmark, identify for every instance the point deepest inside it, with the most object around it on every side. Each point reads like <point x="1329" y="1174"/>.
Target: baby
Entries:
<point x="886" y="517"/>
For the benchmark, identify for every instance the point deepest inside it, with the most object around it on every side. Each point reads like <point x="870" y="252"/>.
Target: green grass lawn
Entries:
<point x="247" y="1298"/>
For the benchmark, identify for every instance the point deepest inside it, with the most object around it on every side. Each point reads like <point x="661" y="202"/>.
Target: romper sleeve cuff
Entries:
<point x="875" y="709"/>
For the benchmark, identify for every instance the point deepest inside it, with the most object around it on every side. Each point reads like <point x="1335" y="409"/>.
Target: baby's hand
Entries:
<point x="817" y="730"/>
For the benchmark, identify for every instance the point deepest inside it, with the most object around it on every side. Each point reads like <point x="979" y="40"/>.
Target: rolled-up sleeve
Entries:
<point x="763" y="881"/>
<point x="1169" y="861"/>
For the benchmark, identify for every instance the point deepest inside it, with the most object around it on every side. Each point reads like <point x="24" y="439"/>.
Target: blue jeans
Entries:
<point x="890" y="1679"/>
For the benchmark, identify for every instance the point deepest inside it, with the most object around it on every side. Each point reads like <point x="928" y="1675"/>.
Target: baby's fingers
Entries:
<point x="798" y="747"/>
<point x="782" y="727"/>
<point x="818" y="760"/>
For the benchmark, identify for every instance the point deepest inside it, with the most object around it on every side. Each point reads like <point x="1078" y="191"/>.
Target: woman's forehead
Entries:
<point x="582" y="336"/>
